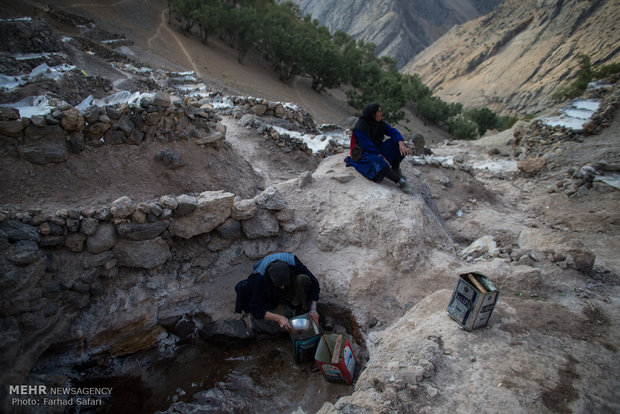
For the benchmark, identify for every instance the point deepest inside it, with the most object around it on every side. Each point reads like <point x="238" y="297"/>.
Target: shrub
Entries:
<point x="506" y="122"/>
<point x="462" y="128"/>
<point x="484" y="118"/>
<point x="585" y="75"/>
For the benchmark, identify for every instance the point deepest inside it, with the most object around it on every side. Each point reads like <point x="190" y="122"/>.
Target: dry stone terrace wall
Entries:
<point x="263" y="115"/>
<point x="51" y="138"/>
<point x="108" y="279"/>
<point x="65" y="130"/>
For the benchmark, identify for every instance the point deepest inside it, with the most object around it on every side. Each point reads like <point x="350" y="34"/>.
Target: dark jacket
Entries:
<point x="257" y="295"/>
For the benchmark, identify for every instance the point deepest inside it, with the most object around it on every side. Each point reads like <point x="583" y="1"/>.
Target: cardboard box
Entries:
<point x="473" y="300"/>
<point x="336" y="359"/>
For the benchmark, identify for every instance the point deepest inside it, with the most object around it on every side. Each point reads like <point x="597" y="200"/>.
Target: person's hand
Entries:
<point x="285" y="324"/>
<point x="314" y="316"/>
<point x="403" y="148"/>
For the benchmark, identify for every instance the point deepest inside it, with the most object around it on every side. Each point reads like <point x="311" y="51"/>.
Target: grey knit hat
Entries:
<point x="279" y="273"/>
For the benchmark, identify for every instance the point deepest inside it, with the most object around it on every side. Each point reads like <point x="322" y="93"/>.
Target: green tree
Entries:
<point x="414" y="89"/>
<point x="579" y="85"/>
<point x="282" y="40"/>
<point x="584" y="76"/>
<point x="506" y="122"/>
<point x="484" y="118"/>
<point x="320" y="57"/>
<point x="208" y="18"/>
<point x="434" y="110"/>
<point x="462" y="128"/>
<point x="186" y="9"/>
<point x="606" y="71"/>
<point x="296" y="45"/>
<point x="245" y="30"/>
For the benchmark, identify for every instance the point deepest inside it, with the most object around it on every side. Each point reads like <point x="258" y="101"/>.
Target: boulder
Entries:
<point x="247" y="119"/>
<point x="11" y="128"/>
<point x="135" y="231"/>
<point x="227" y="333"/>
<point x="170" y="159"/>
<point x="168" y="202"/>
<point x="45" y="145"/>
<point x="263" y="224"/>
<point x="125" y="125"/>
<point x="531" y="165"/>
<point x="24" y="252"/>
<point x="270" y="199"/>
<point x="72" y="120"/>
<point x="123" y="207"/>
<point x="105" y="238"/>
<point x="185" y="205"/>
<point x="244" y="209"/>
<point x="279" y="111"/>
<point x="114" y="137"/>
<point x="161" y="99"/>
<point x="259" y="109"/>
<point x="120" y="328"/>
<point x="13" y="278"/>
<point x="230" y="229"/>
<point x="212" y="137"/>
<point x="16" y="230"/>
<point x="482" y="246"/>
<point x="212" y="209"/>
<point x="304" y="179"/>
<point x="145" y="254"/>
<point x="89" y="226"/>
<point x="95" y="260"/>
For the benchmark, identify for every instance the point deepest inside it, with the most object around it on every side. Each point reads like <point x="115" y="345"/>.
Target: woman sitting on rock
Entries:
<point x="373" y="157"/>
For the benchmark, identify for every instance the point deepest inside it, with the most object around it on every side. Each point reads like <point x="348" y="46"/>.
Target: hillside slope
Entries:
<point x="518" y="55"/>
<point x="400" y="29"/>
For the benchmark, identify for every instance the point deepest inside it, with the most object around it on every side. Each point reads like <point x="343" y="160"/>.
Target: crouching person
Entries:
<point x="280" y="287"/>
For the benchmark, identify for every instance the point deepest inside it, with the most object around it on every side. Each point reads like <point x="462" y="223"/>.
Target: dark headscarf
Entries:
<point x="368" y="124"/>
<point x="279" y="273"/>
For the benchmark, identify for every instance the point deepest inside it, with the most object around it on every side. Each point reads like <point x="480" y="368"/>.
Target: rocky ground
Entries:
<point x="392" y="260"/>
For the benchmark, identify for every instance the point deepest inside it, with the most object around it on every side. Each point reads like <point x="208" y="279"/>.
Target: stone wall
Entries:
<point x="119" y="278"/>
<point x="49" y="138"/>
<point x="65" y="130"/>
<point x="263" y="115"/>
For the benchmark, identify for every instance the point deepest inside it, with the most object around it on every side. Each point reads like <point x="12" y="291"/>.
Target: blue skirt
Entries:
<point x="369" y="165"/>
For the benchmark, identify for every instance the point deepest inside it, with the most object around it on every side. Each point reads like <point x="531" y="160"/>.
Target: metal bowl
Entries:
<point x="301" y="324"/>
<point x="302" y="328"/>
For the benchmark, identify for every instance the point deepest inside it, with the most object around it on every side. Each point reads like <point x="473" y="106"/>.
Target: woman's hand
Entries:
<point x="314" y="316"/>
<point x="285" y="324"/>
<point x="404" y="149"/>
<point x="280" y="320"/>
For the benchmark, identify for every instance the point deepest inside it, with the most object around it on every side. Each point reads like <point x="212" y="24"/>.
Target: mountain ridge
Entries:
<point x="398" y="29"/>
<point x="517" y="56"/>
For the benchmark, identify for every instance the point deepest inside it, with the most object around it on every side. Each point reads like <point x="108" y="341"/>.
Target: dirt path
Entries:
<point x="163" y="25"/>
<point x="166" y="46"/>
<point x="265" y="157"/>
